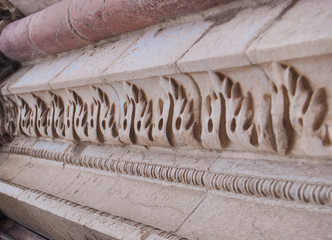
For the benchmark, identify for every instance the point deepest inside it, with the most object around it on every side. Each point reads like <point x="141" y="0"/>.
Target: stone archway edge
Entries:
<point x="71" y="24"/>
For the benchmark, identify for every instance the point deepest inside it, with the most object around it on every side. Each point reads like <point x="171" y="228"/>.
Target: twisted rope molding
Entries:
<point x="90" y="210"/>
<point x="252" y="186"/>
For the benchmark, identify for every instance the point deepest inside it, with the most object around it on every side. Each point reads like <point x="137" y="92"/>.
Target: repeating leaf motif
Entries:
<point x="290" y="114"/>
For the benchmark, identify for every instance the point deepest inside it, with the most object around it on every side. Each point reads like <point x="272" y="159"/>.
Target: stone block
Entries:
<point x="304" y="31"/>
<point x="164" y="206"/>
<point x="51" y="146"/>
<point x="160" y="48"/>
<point x="10" y="166"/>
<point x="12" y="79"/>
<point x="225" y="216"/>
<point x="39" y="77"/>
<point x="88" y="68"/>
<point x="45" y="215"/>
<point x="58" y="218"/>
<point x="224" y="45"/>
<point x="38" y="173"/>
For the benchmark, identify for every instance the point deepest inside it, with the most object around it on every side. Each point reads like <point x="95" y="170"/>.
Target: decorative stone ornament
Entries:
<point x="212" y="112"/>
<point x="212" y="126"/>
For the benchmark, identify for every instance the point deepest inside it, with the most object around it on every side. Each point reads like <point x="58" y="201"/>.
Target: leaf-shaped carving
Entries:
<point x="214" y="116"/>
<point x="41" y="111"/>
<point x="304" y="107"/>
<point x="266" y="138"/>
<point x="280" y="112"/>
<point x="58" y="111"/>
<point x="140" y="108"/>
<point x="213" y="122"/>
<point x="9" y="119"/>
<point x="183" y="128"/>
<point x="11" y="116"/>
<point x="161" y="120"/>
<point x="80" y="122"/>
<point x="107" y="129"/>
<point x="127" y="134"/>
<point x="238" y="111"/>
<point x="27" y="124"/>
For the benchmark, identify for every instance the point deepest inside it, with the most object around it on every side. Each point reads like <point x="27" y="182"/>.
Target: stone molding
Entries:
<point x="145" y="230"/>
<point x="196" y="126"/>
<point x="274" y="107"/>
<point x="211" y="112"/>
<point x="291" y="190"/>
<point x="143" y="185"/>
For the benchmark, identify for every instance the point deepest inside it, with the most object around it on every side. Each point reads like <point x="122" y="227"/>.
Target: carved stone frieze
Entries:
<point x="212" y="112"/>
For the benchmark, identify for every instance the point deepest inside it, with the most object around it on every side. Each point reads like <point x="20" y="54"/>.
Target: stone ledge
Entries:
<point x="224" y="45"/>
<point x="291" y="180"/>
<point x="229" y="216"/>
<point x="147" y="186"/>
<point x="58" y="218"/>
<point x="303" y="31"/>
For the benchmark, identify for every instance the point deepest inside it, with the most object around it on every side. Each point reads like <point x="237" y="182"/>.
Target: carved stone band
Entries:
<point x="254" y="186"/>
<point x="209" y="111"/>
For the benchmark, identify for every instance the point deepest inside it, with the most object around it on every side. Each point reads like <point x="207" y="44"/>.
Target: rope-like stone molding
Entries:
<point x="90" y="210"/>
<point x="252" y="186"/>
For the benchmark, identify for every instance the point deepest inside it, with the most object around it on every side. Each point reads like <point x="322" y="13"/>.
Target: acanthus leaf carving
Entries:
<point x="212" y="111"/>
<point x="161" y="117"/>
<point x="9" y="119"/>
<point x="57" y="113"/>
<point x="306" y="108"/>
<point x="184" y="128"/>
<point x="41" y="112"/>
<point x="236" y="112"/>
<point x="265" y="132"/>
<point x="136" y="121"/>
<point x="81" y="114"/>
<point x="108" y="116"/>
<point x="27" y="121"/>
